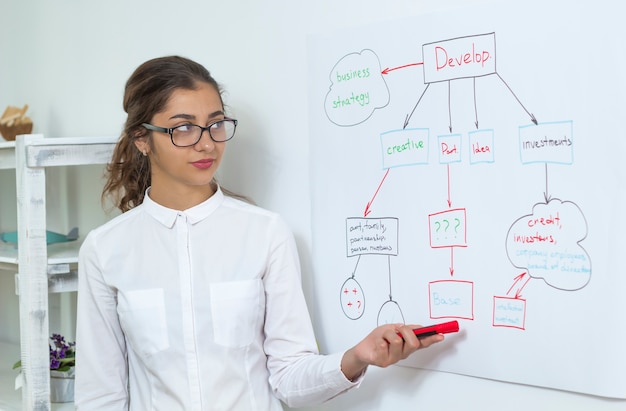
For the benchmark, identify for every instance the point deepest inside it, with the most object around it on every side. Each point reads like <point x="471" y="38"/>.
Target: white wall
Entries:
<point x="69" y="60"/>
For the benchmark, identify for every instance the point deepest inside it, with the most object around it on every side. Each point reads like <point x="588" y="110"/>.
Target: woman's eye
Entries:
<point x="184" y="128"/>
<point x="217" y="125"/>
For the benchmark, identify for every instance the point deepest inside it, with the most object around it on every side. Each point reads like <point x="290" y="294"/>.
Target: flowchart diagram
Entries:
<point x="545" y="244"/>
<point x="471" y="172"/>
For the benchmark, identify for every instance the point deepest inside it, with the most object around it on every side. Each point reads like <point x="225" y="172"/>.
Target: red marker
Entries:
<point x="443" y="328"/>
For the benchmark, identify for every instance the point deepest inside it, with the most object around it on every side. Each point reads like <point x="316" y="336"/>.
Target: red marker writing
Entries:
<point x="443" y="328"/>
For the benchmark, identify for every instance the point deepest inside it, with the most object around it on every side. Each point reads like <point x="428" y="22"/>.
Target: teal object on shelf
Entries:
<point x="51" y="236"/>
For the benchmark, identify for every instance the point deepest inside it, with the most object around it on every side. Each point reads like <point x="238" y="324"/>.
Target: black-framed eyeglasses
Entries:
<point x="187" y="135"/>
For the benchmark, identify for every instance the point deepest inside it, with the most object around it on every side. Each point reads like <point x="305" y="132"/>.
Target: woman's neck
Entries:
<point x="182" y="197"/>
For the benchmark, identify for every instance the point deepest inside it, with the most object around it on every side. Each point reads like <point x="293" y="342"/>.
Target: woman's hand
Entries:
<point x="384" y="347"/>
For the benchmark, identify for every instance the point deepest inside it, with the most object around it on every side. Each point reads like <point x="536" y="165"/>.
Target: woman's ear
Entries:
<point x="141" y="142"/>
<point x="142" y="147"/>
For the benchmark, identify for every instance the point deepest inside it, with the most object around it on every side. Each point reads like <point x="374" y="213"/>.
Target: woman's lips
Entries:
<point x="203" y="164"/>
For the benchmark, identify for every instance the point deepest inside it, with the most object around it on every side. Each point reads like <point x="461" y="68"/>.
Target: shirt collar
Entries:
<point x="167" y="216"/>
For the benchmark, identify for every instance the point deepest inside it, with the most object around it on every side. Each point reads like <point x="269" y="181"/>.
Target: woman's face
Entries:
<point x="177" y="170"/>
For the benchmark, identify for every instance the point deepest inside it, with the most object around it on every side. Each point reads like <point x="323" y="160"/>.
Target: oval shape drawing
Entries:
<point x="390" y="313"/>
<point x="352" y="299"/>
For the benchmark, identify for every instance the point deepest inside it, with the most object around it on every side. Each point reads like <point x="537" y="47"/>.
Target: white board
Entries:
<point x="468" y="165"/>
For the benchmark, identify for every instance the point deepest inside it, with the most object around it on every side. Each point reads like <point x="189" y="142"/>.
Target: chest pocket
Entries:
<point x="142" y="315"/>
<point x="236" y="309"/>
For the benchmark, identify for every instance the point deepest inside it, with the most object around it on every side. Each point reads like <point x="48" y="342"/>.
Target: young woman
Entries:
<point x="191" y="298"/>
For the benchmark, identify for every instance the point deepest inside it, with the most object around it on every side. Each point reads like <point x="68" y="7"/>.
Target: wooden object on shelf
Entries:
<point x="14" y="121"/>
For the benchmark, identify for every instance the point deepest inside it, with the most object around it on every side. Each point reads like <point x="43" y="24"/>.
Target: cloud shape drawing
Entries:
<point x="357" y="89"/>
<point x="546" y="243"/>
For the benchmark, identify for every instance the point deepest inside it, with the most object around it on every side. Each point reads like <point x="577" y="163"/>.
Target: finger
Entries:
<point x="426" y="342"/>
<point x="395" y="341"/>
<point x="411" y="342"/>
<point x="392" y="328"/>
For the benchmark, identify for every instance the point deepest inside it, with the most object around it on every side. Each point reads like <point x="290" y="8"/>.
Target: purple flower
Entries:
<point x="62" y="356"/>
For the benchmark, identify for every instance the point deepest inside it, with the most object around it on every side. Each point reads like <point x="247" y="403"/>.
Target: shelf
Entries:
<point x="68" y="151"/>
<point x="62" y="264"/>
<point x="58" y="253"/>
<point x="62" y="151"/>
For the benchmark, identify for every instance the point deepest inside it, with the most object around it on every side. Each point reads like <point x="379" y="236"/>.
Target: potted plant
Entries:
<point x="62" y="365"/>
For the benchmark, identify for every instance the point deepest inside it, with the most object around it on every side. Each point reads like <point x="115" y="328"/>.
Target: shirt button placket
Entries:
<point x="186" y="300"/>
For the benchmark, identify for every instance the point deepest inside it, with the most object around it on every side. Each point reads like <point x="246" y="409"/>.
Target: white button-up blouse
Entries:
<point x="199" y="309"/>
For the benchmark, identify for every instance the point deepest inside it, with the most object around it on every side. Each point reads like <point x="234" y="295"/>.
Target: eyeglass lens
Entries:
<point x="188" y="135"/>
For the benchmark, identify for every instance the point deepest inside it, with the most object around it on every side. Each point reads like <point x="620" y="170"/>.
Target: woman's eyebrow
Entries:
<point x="216" y="114"/>
<point x="183" y="116"/>
<point x="192" y="117"/>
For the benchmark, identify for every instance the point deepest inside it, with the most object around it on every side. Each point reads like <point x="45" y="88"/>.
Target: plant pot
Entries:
<point x="61" y="386"/>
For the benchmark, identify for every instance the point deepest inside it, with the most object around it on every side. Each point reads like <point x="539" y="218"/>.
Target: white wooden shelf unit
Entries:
<point x="40" y="268"/>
